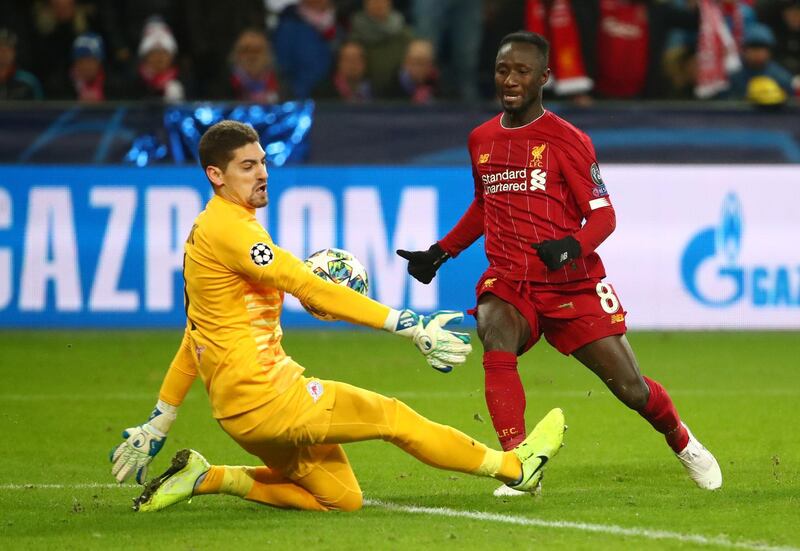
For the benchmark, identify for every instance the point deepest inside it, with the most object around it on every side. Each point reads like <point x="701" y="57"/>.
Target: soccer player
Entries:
<point x="235" y="280"/>
<point x="536" y="180"/>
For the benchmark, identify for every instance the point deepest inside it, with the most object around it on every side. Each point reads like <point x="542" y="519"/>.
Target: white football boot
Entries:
<point x="505" y="491"/>
<point x="700" y="464"/>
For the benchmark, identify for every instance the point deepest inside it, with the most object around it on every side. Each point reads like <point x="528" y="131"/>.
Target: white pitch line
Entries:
<point x="611" y="529"/>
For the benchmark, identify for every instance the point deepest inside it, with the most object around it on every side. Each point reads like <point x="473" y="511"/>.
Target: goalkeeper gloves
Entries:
<point x="142" y="443"/>
<point x="557" y="252"/>
<point x="441" y="347"/>
<point x="422" y="265"/>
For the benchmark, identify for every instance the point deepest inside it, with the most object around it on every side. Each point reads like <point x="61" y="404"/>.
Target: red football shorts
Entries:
<point x="570" y="315"/>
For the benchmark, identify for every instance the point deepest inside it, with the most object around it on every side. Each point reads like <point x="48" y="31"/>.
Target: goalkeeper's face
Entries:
<point x="244" y="180"/>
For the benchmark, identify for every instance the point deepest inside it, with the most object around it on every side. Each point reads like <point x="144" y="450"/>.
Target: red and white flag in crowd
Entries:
<point x="557" y="23"/>
<point x="717" y="52"/>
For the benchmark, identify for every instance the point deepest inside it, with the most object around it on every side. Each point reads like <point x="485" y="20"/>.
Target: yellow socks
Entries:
<point x="504" y="466"/>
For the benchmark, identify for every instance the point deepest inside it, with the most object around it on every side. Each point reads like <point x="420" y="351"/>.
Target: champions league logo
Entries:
<point x="713" y="274"/>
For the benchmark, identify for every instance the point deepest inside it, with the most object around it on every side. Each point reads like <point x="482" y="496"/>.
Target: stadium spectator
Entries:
<point x="418" y="78"/>
<point x="253" y="74"/>
<point x="209" y="29"/>
<point x="679" y="66"/>
<point x="15" y="84"/>
<point x="455" y="28"/>
<point x="236" y="278"/>
<point x="761" y="80"/>
<point x="610" y="48"/>
<point x="157" y="74"/>
<point x="783" y="16"/>
<point x="305" y="39"/>
<point x="87" y="73"/>
<point x="121" y="24"/>
<point x="383" y="33"/>
<point x="349" y="81"/>
<point x="57" y="23"/>
<point x="544" y="276"/>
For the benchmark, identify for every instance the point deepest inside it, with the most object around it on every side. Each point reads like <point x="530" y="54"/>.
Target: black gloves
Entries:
<point x="555" y="253"/>
<point x="422" y="265"/>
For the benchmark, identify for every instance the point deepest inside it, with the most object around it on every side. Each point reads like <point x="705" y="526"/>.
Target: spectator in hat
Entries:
<point x="15" y="84"/>
<point x="157" y="73"/>
<point x="761" y="80"/>
<point x="56" y="25"/>
<point x="87" y="73"/>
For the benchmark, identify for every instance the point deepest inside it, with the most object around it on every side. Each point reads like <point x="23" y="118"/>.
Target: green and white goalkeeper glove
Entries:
<point x="441" y="347"/>
<point x="142" y="443"/>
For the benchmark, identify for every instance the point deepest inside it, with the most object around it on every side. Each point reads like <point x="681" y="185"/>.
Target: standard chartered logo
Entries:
<point x="514" y="181"/>
<point x="538" y="178"/>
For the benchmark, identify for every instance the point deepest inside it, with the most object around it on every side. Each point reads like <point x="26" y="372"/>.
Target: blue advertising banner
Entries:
<point x="103" y="247"/>
<point x="696" y="247"/>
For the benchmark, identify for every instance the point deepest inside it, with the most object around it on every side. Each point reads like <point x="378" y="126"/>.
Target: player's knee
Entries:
<point x="634" y="394"/>
<point x="349" y="502"/>
<point x="403" y="424"/>
<point x="496" y="336"/>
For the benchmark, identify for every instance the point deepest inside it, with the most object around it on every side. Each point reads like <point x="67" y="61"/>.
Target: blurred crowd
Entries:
<point x="417" y="51"/>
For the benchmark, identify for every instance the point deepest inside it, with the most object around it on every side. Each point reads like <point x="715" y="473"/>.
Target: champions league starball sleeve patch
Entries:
<point x="599" y="187"/>
<point x="261" y="254"/>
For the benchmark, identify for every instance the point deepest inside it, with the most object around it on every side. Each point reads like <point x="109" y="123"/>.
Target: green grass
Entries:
<point x="67" y="395"/>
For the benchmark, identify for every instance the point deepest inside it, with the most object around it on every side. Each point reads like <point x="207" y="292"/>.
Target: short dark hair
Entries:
<point x="529" y="38"/>
<point x="219" y="142"/>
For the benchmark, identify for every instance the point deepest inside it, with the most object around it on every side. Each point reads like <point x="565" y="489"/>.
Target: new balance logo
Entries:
<point x="538" y="178"/>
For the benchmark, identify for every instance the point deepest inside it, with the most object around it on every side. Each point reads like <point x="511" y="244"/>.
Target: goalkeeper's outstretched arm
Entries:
<point x="143" y="442"/>
<point x="443" y="349"/>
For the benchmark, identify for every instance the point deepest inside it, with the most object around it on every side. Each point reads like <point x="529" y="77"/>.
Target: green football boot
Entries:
<point x="541" y="445"/>
<point x="176" y="484"/>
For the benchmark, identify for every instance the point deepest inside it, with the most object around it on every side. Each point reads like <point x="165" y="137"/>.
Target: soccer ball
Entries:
<point x="340" y="267"/>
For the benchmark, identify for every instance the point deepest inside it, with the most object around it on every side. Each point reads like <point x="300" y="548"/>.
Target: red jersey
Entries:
<point x="534" y="183"/>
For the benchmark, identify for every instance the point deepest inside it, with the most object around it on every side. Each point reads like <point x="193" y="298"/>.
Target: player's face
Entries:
<point x="244" y="180"/>
<point x="519" y="74"/>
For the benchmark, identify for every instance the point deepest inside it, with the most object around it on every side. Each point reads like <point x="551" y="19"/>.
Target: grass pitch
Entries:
<point x="66" y="396"/>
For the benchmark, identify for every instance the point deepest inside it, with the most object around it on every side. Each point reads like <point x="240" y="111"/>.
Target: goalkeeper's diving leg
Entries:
<point x="316" y="474"/>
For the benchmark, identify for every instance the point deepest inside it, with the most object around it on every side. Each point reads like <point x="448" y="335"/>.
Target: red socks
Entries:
<point x="660" y="412"/>
<point x="505" y="397"/>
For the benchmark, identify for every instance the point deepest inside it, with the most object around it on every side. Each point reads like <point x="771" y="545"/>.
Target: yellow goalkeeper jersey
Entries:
<point x="235" y="279"/>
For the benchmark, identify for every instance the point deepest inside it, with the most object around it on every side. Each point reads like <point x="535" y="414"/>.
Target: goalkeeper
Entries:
<point x="235" y="280"/>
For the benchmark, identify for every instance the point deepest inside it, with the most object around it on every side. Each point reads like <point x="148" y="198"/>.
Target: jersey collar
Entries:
<point x="500" y="121"/>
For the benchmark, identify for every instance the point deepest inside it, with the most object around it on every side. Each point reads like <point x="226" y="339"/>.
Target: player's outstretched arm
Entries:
<point x="422" y="265"/>
<point x="442" y="348"/>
